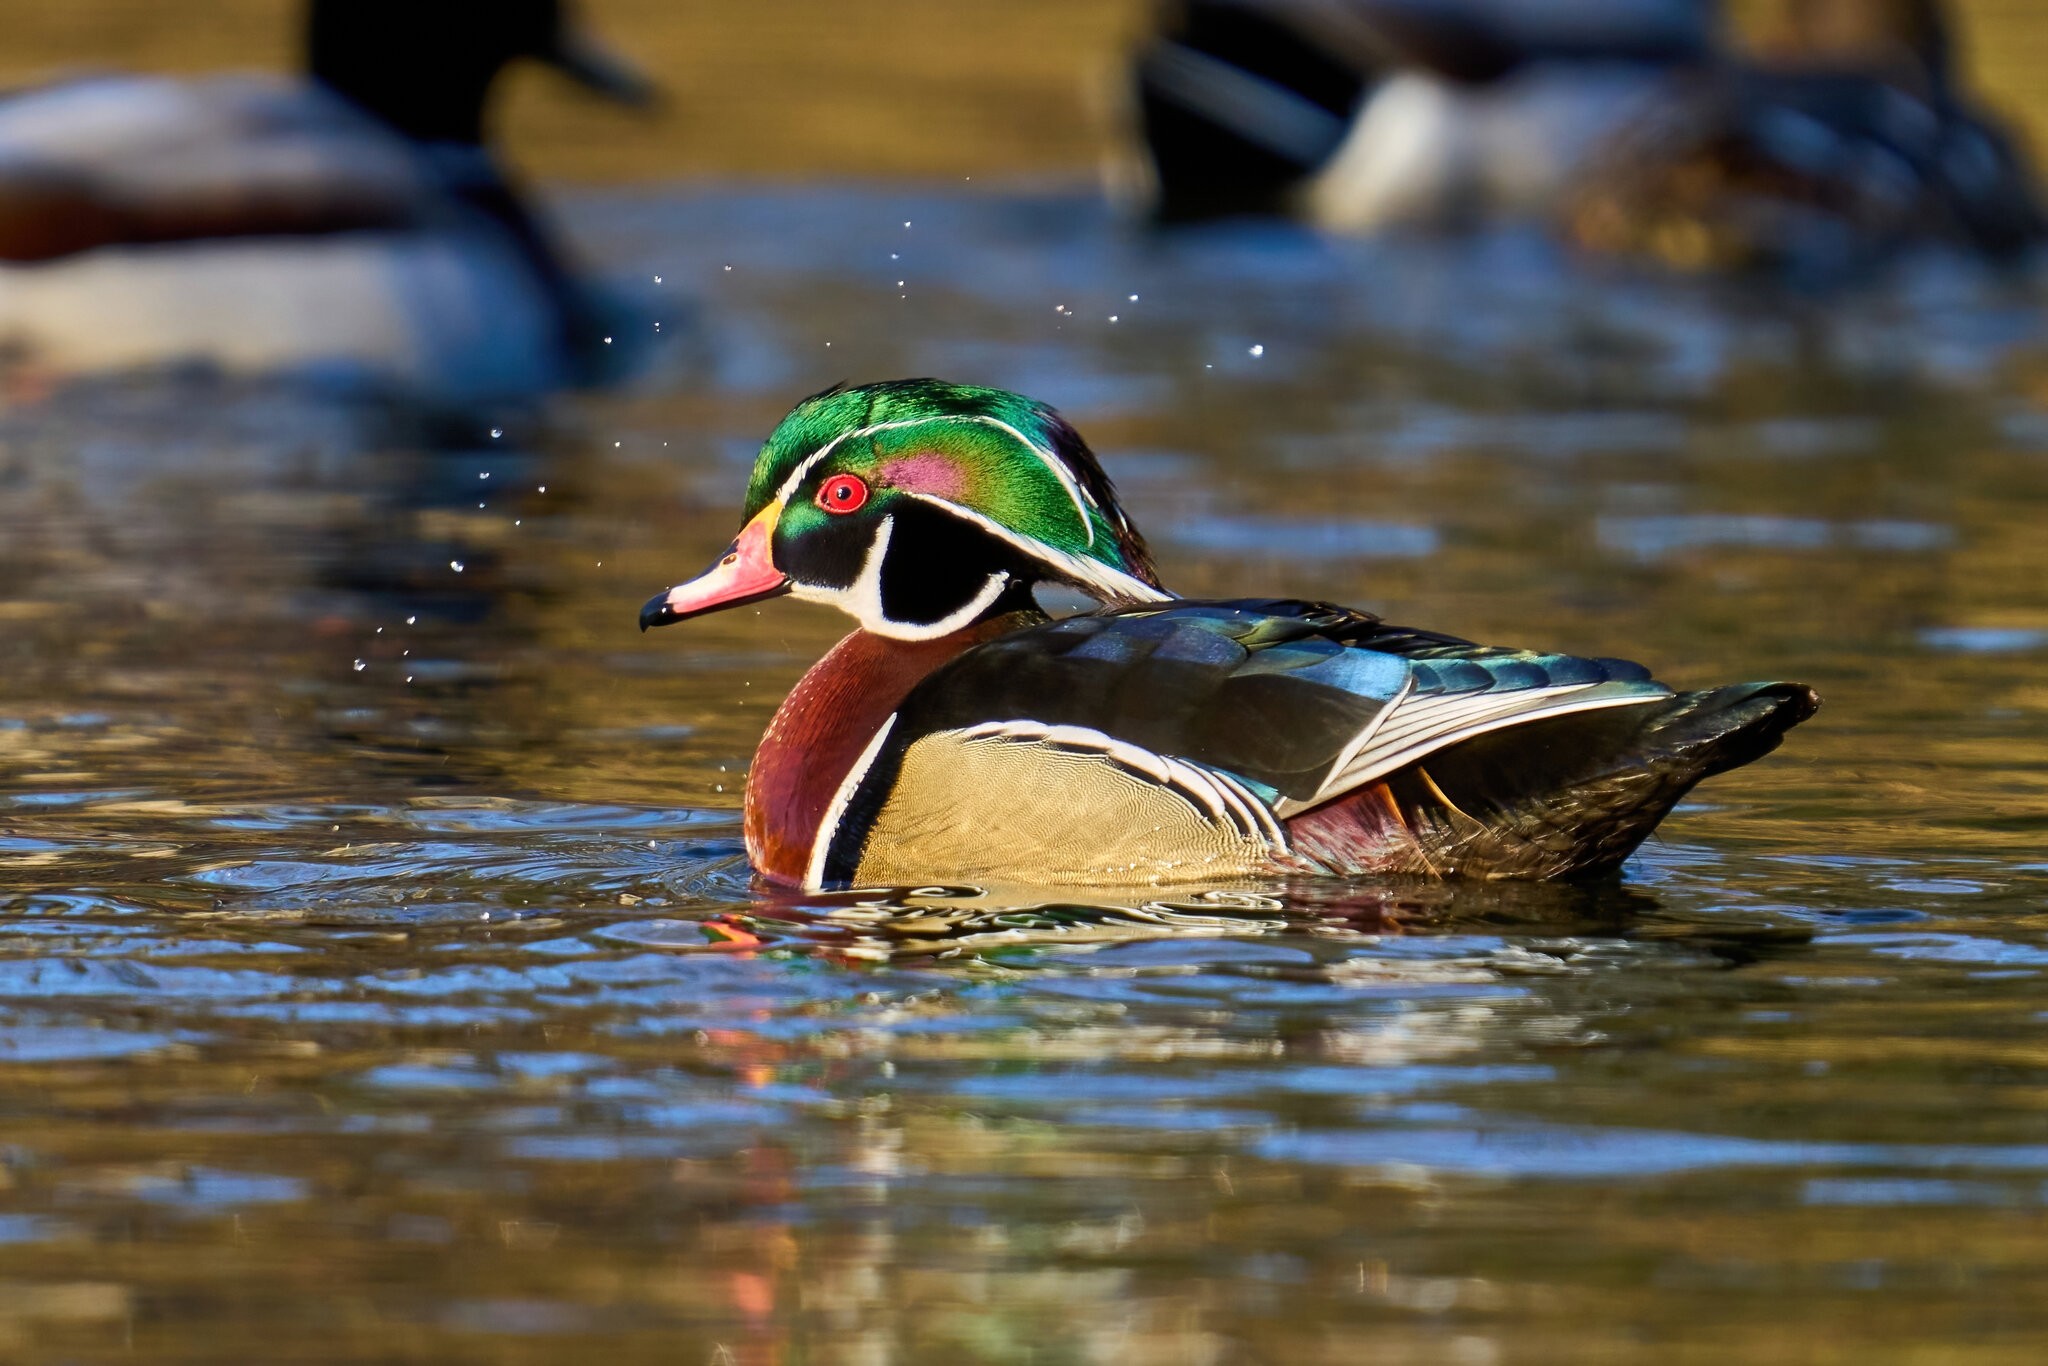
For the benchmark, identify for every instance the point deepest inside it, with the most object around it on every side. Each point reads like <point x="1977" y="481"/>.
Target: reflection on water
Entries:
<point x="380" y="973"/>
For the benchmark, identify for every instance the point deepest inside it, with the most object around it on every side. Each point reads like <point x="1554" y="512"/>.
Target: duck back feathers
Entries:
<point x="1268" y="735"/>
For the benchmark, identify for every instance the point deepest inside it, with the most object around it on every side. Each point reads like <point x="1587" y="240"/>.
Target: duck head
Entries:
<point x="919" y="508"/>
<point x="426" y="66"/>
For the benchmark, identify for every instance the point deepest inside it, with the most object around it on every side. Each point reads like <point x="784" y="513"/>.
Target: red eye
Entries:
<point x="842" y="493"/>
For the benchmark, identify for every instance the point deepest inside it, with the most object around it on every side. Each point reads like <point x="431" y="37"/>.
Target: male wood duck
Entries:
<point x="962" y="735"/>
<point x="350" y="224"/>
<point x="1628" y="126"/>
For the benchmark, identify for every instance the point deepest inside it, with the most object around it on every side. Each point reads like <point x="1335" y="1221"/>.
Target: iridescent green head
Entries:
<point x="921" y="507"/>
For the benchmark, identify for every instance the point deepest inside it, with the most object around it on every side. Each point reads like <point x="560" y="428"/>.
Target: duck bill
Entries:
<point x="746" y="573"/>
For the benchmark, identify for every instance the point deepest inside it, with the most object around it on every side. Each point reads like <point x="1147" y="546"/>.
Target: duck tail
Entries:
<point x="1723" y="728"/>
<point x="1573" y="795"/>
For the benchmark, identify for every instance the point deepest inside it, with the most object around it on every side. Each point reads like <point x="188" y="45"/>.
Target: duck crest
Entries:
<point x="956" y="447"/>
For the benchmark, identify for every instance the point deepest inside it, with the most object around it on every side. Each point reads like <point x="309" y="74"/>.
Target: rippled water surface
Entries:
<point x="380" y="976"/>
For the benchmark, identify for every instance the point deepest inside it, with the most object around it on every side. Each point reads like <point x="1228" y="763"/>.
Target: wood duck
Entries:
<point x="962" y="735"/>
<point x="352" y="224"/>
<point x="1627" y="126"/>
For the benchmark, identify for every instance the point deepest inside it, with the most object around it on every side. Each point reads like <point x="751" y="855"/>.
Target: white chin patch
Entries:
<point x="862" y="599"/>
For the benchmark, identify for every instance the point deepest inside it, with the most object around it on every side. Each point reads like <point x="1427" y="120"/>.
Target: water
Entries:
<point x="423" y="1010"/>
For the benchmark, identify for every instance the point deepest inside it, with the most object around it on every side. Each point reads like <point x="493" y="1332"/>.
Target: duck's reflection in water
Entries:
<point x="896" y="923"/>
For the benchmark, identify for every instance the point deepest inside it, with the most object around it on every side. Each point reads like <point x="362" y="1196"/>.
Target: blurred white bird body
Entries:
<point x="447" y="316"/>
<point x="350" y="227"/>
<point x="1429" y="152"/>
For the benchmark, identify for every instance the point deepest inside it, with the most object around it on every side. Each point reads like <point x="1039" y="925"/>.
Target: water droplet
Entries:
<point x="728" y="267"/>
<point x="543" y="488"/>
<point x="901" y="283"/>
<point x="410" y="620"/>
<point x="657" y="279"/>
<point x="485" y="475"/>
<point x="906" y="222"/>
<point x="607" y="341"/>
<point x="1258" y="350"/>
<point x="360" y="666"/>
<point x="1134" y="298"/>
<point x="895" y="256"/>
<point x="497" y="432"/>
<point x="1112" y="317"/>
<point x="455" y="565"/>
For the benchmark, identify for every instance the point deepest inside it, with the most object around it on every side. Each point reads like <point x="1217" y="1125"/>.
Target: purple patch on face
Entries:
<point x="927" y="472"/>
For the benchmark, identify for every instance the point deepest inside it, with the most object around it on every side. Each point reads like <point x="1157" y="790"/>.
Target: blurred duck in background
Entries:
<point x="352" y="225"/>
<point x="1838" y="139"/>
<point x="1817" y="141"/>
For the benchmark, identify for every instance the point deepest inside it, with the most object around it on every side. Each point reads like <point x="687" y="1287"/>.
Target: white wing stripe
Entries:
<point x="1224" y="800"/>
<point x="1264" y="823"/>
<point x="1108" y="584"/>
<point x="1419" y="715"/>
<point x="1372" y="729"/>
<point x="1414" y="743"/>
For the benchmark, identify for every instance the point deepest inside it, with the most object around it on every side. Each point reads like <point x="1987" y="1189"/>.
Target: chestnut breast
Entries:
<point x="822" y="727"/>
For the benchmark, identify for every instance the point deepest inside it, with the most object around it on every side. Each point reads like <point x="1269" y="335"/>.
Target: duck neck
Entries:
<point x="424" y="69"/>
<point x="824" y="726"/>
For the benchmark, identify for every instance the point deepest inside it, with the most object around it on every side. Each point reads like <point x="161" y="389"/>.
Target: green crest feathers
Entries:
<point x="987" y="452"/>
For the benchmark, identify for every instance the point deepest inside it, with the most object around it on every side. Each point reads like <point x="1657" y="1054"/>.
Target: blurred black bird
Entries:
<point x="353" y="223"/>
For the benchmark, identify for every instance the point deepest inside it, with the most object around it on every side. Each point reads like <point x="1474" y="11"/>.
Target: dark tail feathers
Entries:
<point x="1724" y="728"/>
<point x="1573" y="795"/>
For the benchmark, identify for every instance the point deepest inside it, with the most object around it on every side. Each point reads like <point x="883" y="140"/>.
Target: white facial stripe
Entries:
<point x="946" y="625"/>
<point x="1109" y="584"/>
<point x="862" y="599"/>
<point x="835" y="811"/>
<point x="1079" y="496"/>
<point x="1059" y="471"/>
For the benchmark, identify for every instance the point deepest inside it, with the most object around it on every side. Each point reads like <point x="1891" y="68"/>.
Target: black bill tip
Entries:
<point x="661" y="611"/>
<point x="657" y="612"/>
